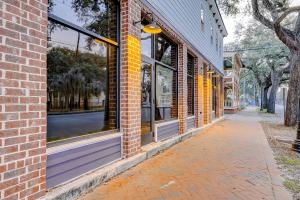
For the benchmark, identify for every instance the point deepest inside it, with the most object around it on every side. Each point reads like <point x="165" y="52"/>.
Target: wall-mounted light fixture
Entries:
<point x="151" y="28"/>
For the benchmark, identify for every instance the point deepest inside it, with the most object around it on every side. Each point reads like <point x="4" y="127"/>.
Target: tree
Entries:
<point x="268" y="64"/>
<point x="273" y="14"/>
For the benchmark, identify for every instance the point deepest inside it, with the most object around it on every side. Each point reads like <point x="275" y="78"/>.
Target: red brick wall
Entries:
<point x="130" y="77"/>
<point x="182" y="87"/>
<point x="23" y="42"/>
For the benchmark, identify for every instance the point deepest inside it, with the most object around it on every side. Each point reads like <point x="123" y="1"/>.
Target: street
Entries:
<point x="70" y="125"/>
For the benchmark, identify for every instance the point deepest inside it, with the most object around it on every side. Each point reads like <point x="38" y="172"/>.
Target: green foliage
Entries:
<point x="233" y="7"/>
<point x="229" y="7"/>
<point x="292" y="185"/>
<point x="285" y="160"/>
<point x="271" y="56"/>
<point x="74" y="73"/>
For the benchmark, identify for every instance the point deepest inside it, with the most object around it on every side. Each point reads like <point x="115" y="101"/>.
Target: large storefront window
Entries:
<point x="190" y="84"/>
<point x="97" y="16"/>
<point x="166" y="79"/>
<point x="82" y="68"/>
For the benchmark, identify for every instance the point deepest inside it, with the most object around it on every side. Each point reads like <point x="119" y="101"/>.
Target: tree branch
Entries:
<point x="287" y="40"/>
<point x="258" y="16"/>
<point x="286" y="13"/>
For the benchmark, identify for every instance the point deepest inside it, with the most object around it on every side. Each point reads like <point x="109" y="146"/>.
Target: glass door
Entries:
<point x="147" y="103"/>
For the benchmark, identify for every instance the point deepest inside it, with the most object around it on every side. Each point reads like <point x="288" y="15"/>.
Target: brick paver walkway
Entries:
<point x="230" y="160"/>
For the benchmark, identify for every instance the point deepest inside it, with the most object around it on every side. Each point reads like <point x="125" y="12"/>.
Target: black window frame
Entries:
<point x="192" y="77"/>
<point x="174" y="68"/>
<point x="61" y="21"/>
<point x="155" y="62"/>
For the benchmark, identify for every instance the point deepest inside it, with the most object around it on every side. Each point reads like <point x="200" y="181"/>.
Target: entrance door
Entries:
<point x="147" y="103"/>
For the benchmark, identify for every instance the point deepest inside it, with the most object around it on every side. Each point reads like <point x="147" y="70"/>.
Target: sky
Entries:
<point x="230" y="21"/>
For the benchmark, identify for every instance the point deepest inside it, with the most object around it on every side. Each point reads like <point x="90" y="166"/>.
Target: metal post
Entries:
<point x="296" y="144"/>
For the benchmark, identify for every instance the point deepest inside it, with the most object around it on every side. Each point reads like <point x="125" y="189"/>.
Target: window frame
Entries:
<point x="155" y="62"/>
<point x="211" y="34"/>
<point x="174" y="68"/>
<point x="202" y="15"/>
<point x="72" y="26"/>
<point x="191" y="76"/>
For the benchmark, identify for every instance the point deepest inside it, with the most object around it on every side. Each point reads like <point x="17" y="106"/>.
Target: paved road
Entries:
<point x="74" y="124"/>
<point x="229" y="161"/>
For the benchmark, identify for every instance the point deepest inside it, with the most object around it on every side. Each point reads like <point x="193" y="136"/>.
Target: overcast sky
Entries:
<point x="231" y="22"/>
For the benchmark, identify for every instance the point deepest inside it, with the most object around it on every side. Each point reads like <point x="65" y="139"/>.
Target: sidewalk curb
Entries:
<point x="279" y="191"/>
<point x="88" y="182"/>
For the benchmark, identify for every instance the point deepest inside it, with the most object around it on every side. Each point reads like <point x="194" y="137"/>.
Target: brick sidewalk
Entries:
<point x="231" y="160"/>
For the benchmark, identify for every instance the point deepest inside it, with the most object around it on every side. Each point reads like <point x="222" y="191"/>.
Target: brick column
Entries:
<point x="207" y="95"/>
<point x="198" y="93"/>
<point x="130" y="77"/>
<point x="182" y="87"/>
<point x="23" y="85"/>
<point x="217" y="97"/>
<point x="222" y="96"/>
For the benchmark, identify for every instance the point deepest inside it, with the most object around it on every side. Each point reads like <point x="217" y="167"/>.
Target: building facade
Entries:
<point x="82" y="85"/>
<point x="232" y="66"/>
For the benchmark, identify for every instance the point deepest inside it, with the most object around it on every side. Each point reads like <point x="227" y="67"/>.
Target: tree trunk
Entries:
<point x="261" y="98"/>
<point x="265" y="98"/>
<point x="294" y="91"/>
<point x="273" y="92"/>
<point x="256" y="96"/>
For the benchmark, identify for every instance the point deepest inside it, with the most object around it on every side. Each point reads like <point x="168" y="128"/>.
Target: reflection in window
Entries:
<point x="146" y="42"/>
<point x="214" y="94"/>
<point x="99" y="16"/>
<point x="81" y="84"/>
<point x="211" y="34"/>
<point x="164" y="51"/>
<point x="190" y="85"/>
<point x="165" y="93"/>
<point x="202" y="15"/>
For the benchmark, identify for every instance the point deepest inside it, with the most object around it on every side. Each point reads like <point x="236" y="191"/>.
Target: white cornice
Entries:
<point x="217" y="16"/>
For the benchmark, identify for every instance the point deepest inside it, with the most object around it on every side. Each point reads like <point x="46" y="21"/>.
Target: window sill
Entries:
<point x="190" y="116"/>
<point x="165" y="122"/>
<point x="62" y="145"/>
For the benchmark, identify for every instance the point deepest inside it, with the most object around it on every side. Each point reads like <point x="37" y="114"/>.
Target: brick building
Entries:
<point x="83" y="85"/>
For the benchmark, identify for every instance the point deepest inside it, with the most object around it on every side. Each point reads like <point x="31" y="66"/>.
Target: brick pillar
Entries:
<point x="222" y="96"/>
<point x="130" y="77"/>
<point x="207" y="95"/>
<point x="198" y="93"/>
<point x="218" y="95"/>
<point x="210" y="96"/>
<point x="23" y="85"/>
<point x="182" y="87"/>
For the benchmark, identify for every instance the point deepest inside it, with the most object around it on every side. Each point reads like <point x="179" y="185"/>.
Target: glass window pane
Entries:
<point x="146" y="44"/>
<point x="190" y="95"/>
<point x="166" y="93"/>
<point x="94" y="15"/>
<point x="81" y="84"/>
<point x="190" y="85"/>
<point x="165" y="51"/>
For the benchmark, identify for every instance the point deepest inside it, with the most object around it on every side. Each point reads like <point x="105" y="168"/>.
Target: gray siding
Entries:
<point x="168" y="130"/>
<point x="190" y="123"/>
<point x="184" y="16"/>
<point x="65" y="165"/>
